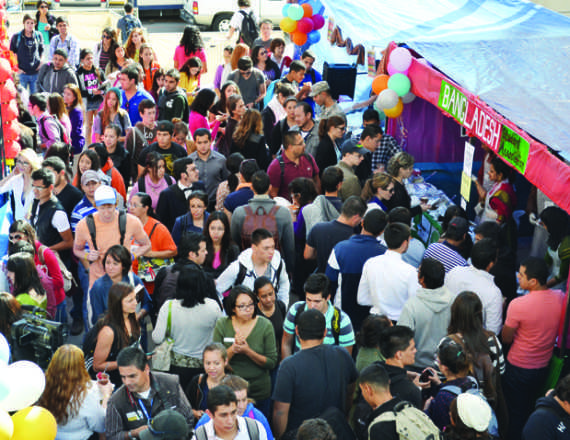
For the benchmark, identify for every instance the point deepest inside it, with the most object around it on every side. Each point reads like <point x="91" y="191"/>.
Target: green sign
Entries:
<point x="453" y="101"/>
<point x="514" y="149"/>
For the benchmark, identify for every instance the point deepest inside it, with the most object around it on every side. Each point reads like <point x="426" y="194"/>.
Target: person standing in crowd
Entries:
<point x="195" y="219"/>
<point x="200" y="111"/>
<point x="53" y="76"/>
<point x="154" y="178"/>
<point x="352" y="155"/>
<point x="45" y="23"/>
<point x="531" y="326"/>
<point x="236" y="22"/>
<point x="142" y="134"/>
<point x="222" y="71"/>
<point x="312" y="76"/>
<point x="236" y="109"/>
<point x="67" y="194"/>
<point x="134" y="43"/>
<point x="250" y="81"/>
<point x="74" y="106"/>
<point x="169" y="150"/>
<point x="331" y="133"/>
<point x="305" y="123"/>
<point x="326" y="207"/>
<point x="321" y="94"/>
<point x="117" y="62"/>
<point x="191" y="45"/>
<point x="111" y="113"/>
<point x="282" y="126"/>
<point x="275" y="110"/>
<point x="104" y="49"/>
<point x="127" y="23"/>
<point x="64" y="41"/>
<point x="222" y="251"/>
<point x="28" y="47"/>
<point x="172" y="102"/>
<point x="277" y="49"/>
<point x="92" y="85"/>
<point x="261" y="60"/>
<point x="264" y="40"/>
<point x="248" y="139"/>
<point x="294" y="77"/>
<point x="131" y="95"/>
<point x="19" y="182"/>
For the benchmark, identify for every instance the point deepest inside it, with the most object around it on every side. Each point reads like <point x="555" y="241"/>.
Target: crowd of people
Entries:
<point x="272" y="255"/>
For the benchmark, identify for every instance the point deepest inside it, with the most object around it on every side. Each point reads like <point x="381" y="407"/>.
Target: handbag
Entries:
<point x="149" y="267"/>
<point x="68" y="280"/>
<point x="161" y="357"/>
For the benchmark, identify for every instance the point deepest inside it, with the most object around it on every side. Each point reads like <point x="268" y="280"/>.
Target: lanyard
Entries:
<point x="143" y="408"/>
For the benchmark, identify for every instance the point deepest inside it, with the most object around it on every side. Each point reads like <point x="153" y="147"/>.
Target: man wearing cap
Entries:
<point x="169" y="150"/>
<point x="304" y="391"/>
<point x="107" y="233"/>
<point x="352" y="154"/>
<point x="476" y="278"/>
<point x="321" y="94"/>
<point x="132" y="96"/>
<point x="250" y="80"/>
<point x="142" y="407"/>
<point x="448" y="251"/>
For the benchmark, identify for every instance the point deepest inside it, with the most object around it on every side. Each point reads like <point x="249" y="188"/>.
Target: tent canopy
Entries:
<point x="514" y="55"/>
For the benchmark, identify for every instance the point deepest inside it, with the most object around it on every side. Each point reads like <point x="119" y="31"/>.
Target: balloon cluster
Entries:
<point x="21" y="385"/>
<point x="393" y="90"/>
<point x="302" y="21"/>
<point x="8" y="104"/>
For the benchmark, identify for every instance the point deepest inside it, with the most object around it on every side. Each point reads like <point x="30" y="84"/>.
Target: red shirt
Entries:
<point x="307" y="167"/>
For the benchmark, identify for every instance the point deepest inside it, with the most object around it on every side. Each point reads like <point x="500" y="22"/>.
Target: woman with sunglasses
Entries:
<point x="331" y="132"/>
<point x="19" y="182"/>
<point x="400" y="167"/>
<point x="377" y="191"/>
<point x="104" y="49"/>
<point x="45" y="22"/>
<point x="261" y="60"/>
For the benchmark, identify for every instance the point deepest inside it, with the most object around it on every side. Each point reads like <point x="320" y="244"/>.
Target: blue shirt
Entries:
<point x="81" y="210"/>
<point x="238" y="198"/>
<point x="183" y="224"/>
<point x="132" y="105"/>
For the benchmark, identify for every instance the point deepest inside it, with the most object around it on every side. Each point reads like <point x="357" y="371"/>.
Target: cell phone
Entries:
<point x="229" y="340"/>
<point x="425" y="376"/>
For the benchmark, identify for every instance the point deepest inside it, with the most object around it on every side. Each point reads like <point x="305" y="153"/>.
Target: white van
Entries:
<point x="216" y="14"/>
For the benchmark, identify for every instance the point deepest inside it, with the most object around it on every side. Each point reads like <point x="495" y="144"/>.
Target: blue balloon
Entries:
<point x="303" y="1"/>
<point x="313" y="37"/>
<point x="284" y="10"/>
<point x="317" y="6"/>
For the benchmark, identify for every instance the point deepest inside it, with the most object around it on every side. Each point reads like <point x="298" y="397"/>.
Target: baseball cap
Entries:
<point x="167" y="424"/>
<point x="90" y="176"/>
<point x="474" y="412"/>
<point x="352" y="146"/>
<point x="105" y="195"/>
<point x="457" y="227"/>
<point x="318" y="87"/>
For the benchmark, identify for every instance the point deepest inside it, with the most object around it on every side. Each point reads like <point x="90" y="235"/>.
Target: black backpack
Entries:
<point x="92" y="230"/>
<point x="249" y="30"/>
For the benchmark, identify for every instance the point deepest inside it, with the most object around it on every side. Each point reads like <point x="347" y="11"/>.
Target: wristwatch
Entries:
<point x="131" y="436"/>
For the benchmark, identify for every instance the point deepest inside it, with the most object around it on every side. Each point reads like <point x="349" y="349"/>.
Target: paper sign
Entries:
<point x="468" y="158"/>
<point x="371" y="58"/>
<point x="330" y="28"/>
<point x="465" y="186"/>
<point x="514" y="149"/>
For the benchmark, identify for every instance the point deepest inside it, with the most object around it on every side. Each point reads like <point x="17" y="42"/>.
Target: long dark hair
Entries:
<point x="203" y="101"/>
<point x="193" y="287"/>
<point x="226" y="238"/>
<point x="191" y="40"/>
<point x="95" y="164"/>
<point x="114" y="316"/>
<point x="25" y="274"/>
<point x="557" y="223"/>
<point x="467" y="319"/>
<point x="232" y="164"/>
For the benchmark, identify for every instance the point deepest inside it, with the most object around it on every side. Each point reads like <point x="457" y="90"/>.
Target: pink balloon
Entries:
<point x="305" y="25"/>
<point x="392" y="70"/>
<point x="5" y="69"/>
<point x="318" y="21"/>
<point x="401" y="59"/>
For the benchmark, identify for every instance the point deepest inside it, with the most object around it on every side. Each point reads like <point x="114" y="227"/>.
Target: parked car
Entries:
<point x="216" y="15"/>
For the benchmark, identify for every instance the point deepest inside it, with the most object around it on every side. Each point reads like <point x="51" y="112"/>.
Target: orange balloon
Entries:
<point x="307" y="10"/>
<point x="394" y="112"/>
<point x="380" y="83"/>
<point x="299" y="38"/>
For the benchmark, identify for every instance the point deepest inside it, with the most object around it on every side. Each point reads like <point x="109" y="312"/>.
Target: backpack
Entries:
<point x="142" y="184"/>
<point x="130" y="24"/>
<point x="249" y="30"/>
<point x="37" y="37"/>
<point x="411" y="423"/>
<point x="90" y="342"/>
<point x="335" y="324"/>
<point x="493" y="428"/>
<point x="92" y="231"/>
<point x="252" y="430"/>
<point x="282" y="166"/>
<point x="243" y="272"/>
<point x="62" y="132"/>
<point x="261" y="219"/>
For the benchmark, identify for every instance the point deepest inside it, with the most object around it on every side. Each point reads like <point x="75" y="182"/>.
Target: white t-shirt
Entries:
<point x="237" y="18"/>
<point x="91" y="418"/>
<point x="242" y="430"/>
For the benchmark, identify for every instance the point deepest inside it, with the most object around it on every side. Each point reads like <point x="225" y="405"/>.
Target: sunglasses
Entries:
<point x="107" y="37"/>
<point x="16" y="237"/>
<point x="44" y="7"/>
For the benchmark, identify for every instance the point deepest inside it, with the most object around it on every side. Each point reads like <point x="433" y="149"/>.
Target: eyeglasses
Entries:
<point x="107" y="37"/>
<point x="22" y="162"/>
<point x="342" y="128"/>
<point x="391" y="190"/>
<point x="39" y="188"/>
<point x="262" y="52"/>
<point x="245" y="72"/>
<point x="44" y="7"/>
<point x="16" y="237"/>
<point x="245" y="306"/>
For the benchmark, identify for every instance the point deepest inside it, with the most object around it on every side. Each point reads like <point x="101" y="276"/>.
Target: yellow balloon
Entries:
<point x="34" y="423"/>
<point x="396" y="111"/>
<point x="6" y="426"/>
<point x="288" y="24"/>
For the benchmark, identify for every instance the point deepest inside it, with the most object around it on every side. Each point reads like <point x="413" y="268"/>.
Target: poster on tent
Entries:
<point x="371" y="61"/>
<point x="330" y="28"/>
<point x="466" y="174"/>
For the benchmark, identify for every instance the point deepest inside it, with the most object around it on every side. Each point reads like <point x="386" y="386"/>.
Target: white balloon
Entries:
<point x="408" y="97"/>
<point x="27" y="382"/>
<point x="4" y="349"/>
<point x="387" y="99"/>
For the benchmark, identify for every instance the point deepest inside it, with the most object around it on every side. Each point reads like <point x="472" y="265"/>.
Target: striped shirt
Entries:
<point x="346" y="334"/>
<point x="81" y="210"/>
<point x="446" y="254"/>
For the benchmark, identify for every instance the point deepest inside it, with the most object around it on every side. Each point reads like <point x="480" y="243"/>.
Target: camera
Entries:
<point x="35" y="338"/>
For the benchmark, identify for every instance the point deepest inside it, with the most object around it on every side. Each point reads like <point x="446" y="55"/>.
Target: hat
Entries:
<point x="105" y="195"/>
<point x="318" y="87"/>
<point x="351" y="146"/>
<point x="457" y="228"/>
<point x="90" y="176"/>
<point x="167" y="424"/>
<point x="474" y="412"/>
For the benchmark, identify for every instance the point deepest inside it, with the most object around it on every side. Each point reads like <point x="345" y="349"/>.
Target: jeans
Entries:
<point x="29" y="81"/>
<point x="83" y="276"/>
<point x="521" y="387"/>
<point x="61" y="313"/>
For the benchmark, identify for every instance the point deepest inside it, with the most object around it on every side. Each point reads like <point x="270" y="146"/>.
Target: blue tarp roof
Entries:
<point x="513" y="54"/>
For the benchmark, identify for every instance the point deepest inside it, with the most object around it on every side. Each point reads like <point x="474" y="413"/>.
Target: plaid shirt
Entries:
<point x="387" y="148"/>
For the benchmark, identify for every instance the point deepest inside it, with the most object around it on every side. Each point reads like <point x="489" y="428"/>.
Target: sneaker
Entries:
<point x="76" y="327"/>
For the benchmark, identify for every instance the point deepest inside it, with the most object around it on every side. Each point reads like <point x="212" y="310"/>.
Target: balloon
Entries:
<point x="295" y="12"/>
<point x="400" y="83"/>
<point x="305" y="25"/>
<point x="12" y="149"/>
<point x="408" y="97"/>
<point x="9" y="112"/>
<point x="8" y="91"/>
<point x="284" y="10"/>
<point x="299" y="38"/>
<point x="288" y="25"/>
<point x="392" y="70"/>
<point x="314" y="37"/>
<point x="401" y="59"/>
<point x="308" y="10"/>
<point x="380" y="83"/>
<point x="387" y="99"/>
<point x="27" y="382"/>
<point x="34" y="423"/>
<point x="395" y="111"/>
<point x="317" y="6"/>
<point x="4" y="347"/>
<point x="379" y="111"/>
<point x="6" y="426"/>
<point x="318" y="21"/>
<point x="5" y="69"/>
